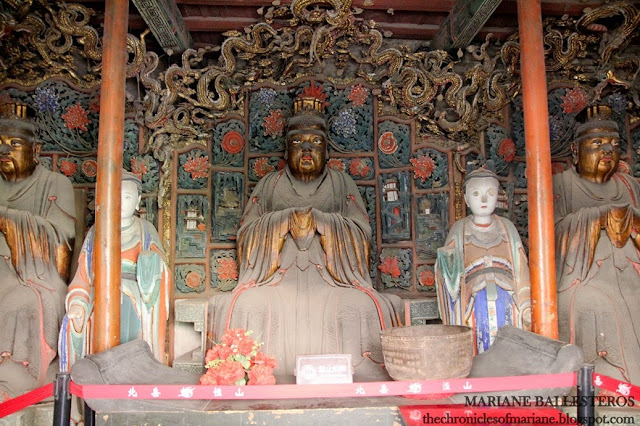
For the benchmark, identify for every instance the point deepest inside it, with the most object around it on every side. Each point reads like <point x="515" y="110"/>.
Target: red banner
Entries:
<point x="414" y="415"/>
<point x="617" y="386"/>
<point x="23" y="401"/>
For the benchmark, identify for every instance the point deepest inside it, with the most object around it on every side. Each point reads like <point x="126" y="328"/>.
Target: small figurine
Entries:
<point x="481" y="272"/>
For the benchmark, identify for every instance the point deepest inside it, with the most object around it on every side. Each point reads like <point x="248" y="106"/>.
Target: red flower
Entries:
<point x="138" y="167"/>
<point x="94" y="103"/>
<point x="232" y="336"/>
<point x="261" y="375"/>
<point x="262" y="167"/>
<point x="76" y="117"/>
<point x="313" y="91"/>
<point x="427" y="278"/>
<point x="358" y="95"/>
<point x="423" y="167"/>
<point x="90" y="168"/>
<point x="359" y="168"/>
<point x="336" y="164"/>
<point x="229" y="372"/>
<point x="193" y="279"/>
<point x="264" y="359"/>
<point x="209" y="378"/>
<point x="507" y="150"/>
<point x="387" y="143"/>
<point x="197" y="166"/>
<point x="69" y="168"/>
<point x="233" y="142"/>
<point x="246" y="346"/>
<point x="574" y="101"/>
<point x="274" y="123"/>
<point x="390" y="266"/>
<point x="227" y="269"/>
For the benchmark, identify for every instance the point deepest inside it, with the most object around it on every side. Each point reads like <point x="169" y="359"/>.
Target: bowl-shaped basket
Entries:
<point x="426" y="352"/>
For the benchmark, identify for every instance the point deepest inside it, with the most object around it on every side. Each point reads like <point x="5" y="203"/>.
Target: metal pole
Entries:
<point x="62" y="400"/>
<point x="89" y="416"/>
<point x="106" y="263"/>
<point x="586" y="395"/>
<point x="538" y="154"/>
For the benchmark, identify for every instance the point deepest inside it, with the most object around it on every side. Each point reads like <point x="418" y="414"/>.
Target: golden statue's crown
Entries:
<point x="599" y="112"/>
<point x="14" y="110"/>
<point x="307" y="105"/>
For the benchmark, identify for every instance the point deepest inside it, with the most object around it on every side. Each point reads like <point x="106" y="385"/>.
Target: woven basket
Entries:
<point x="425" y="352"/>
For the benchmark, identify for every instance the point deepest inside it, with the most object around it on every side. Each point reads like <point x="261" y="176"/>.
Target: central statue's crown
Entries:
<point x="15" y="110"/>
<point x="307" y="105"/>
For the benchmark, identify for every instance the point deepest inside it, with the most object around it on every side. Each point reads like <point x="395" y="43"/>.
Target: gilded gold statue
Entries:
<point x="597" y="259"/>
<point x="38" y="230"/>
<point x="304" y="247"/>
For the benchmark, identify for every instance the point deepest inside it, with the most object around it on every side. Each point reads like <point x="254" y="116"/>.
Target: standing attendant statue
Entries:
<point x="304" y="248"/>
<point x="597" y="258"/>
<point x="37" y="231"/>
<point x="145" y="285"/>
<point x="481" y="272"/>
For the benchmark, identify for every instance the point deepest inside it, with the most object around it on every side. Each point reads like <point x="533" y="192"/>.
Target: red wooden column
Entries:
<point x="109" y="181"/>
<point x="536" y="127"/>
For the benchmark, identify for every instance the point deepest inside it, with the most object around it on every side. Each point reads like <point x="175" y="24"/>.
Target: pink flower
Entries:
<point x="138" y="167"/>
<point x="427" y="278"/>
<point x="261" y="167"/>
<point x="274" y="123"/>
<point x="507" y="150"/>
<point x="387" y="143"/>
<point x="233" y="142"/>
<point x="574" y="101"/>
<point x="76" y="117"/>
<point x="90" y="168"/>
<point x="227" y="269"/>
<point x="336" y="164"/>
<point x="423" y="167"/>
<point x="261" y="375"/>
<point x="264" y="359"/>
<point x="197" y="166"/>
<point x="229" y="372"/>
<point x="69" y="168"/>
<point x="390" y="266"/>
<point x="358" y="94"/>
<point x="359" y="168"/>
<point x="209" y="378"/>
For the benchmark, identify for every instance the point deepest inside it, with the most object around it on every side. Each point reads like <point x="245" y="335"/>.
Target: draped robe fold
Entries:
<point x="307" y="294"/>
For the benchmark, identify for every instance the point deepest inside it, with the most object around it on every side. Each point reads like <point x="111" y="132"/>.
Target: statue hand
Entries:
<point x="302" y="227"/>
<point x="618" y="222"/>
<point x="76" y="315"/>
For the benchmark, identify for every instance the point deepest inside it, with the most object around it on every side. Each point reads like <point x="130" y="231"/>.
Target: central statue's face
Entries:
<point x="306" y="153"/>
<point x="481" y="195"/>
<point x="17" y="156"/>
<point x="598" y="156"/>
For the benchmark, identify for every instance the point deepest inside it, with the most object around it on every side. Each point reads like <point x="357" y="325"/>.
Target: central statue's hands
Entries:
<point x="619" y="221"/>
<point x="302" y="227"/>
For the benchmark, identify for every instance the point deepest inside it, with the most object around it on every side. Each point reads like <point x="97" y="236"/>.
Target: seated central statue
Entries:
<point x="303" y="248"/>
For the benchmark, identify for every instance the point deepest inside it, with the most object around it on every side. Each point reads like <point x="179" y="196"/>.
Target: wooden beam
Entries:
<point x="463" y="23"/>
<point x="166" y="24"/>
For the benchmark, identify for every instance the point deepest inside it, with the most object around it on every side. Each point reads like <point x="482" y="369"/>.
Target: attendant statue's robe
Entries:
<point x="598" y="283"/>
<point x="145" y="286"/>
<point x="483" y="279"/>
<point x="38" y="214"/>
<point x="314" y="296"/>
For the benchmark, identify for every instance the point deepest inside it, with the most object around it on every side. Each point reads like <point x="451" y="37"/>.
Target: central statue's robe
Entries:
<point x="35" y="254"/>
<point x="313" y="299"/>
<point x="598" y="283"/>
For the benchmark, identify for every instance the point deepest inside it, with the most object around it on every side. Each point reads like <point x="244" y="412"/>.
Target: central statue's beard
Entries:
<point x="8" y="174"/>
<point x="306" y="172"/>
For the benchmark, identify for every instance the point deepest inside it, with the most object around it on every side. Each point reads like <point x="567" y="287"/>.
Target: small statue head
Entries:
<point x="596" y="145"/>
<point x="131" y="195"/>
<point x="307" y="148"/>
<point x="19" y="146"/>
<point x="481" y="189"/>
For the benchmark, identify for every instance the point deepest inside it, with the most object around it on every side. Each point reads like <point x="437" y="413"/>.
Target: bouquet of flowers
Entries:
<point x="236" y="360"/>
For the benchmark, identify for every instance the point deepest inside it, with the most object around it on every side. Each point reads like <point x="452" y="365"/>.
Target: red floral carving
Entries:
<point x="281" y="164"/>
<point x="227" y="269"/>
<point x="193" y="279"/>
<point x="313" y="91"/>
<point x="76" y="117"/>
<point x="262" y="167"/>
<point x="423" y="167"/>
<point x="558" y="168"/>
<point x="574" y="101"/>
<point x="358" y="94"/>
<point x="359" y="167"/>
<point x="390" y="266"/>
<point x="197" y="166"/>
<point x="427" y="278"/>
<point x="507" y="150"/>
<point x="69" y="168"/>
<point x="336" y="164"/>
<point x="138" y="167"/>
<point x="233" y="142"/>
<point x="274" y="123"/>
<point x="90" y="168"/>
<point x="94" y="103"/>
<point x="387" y="143"/>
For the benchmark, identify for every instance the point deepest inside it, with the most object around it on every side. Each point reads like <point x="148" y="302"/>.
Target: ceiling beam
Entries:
<point x="462" y="24"/>
<point x="166" y="24"/>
